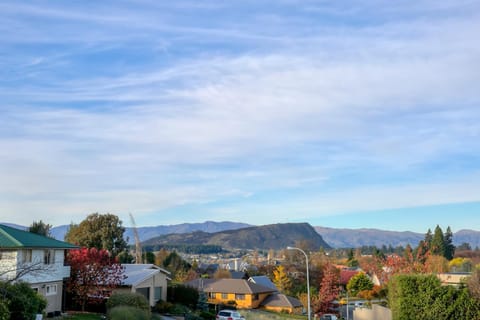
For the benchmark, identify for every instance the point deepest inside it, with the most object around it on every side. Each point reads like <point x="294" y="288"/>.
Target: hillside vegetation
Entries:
<point x="273" y="236"/>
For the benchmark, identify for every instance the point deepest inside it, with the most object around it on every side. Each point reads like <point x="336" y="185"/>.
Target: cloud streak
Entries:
<point x="151" y="111"/>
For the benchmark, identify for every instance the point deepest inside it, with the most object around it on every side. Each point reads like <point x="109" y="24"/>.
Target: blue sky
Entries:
<point x="338" y="113"/>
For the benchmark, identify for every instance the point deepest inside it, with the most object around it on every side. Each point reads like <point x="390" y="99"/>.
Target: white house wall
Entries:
<point x="48" y="272"/>
<point x="8" y="264"/>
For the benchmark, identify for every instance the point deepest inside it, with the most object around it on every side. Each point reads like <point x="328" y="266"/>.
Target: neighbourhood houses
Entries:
<point x="36" y="259"/>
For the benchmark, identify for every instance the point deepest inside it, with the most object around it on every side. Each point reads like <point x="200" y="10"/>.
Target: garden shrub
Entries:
<point x="127" y="313"/>
<point x="163" y="306"/>
<point x="22" y="301"/>
<point x="128" y="299"/>
<point x="4" y="313"/>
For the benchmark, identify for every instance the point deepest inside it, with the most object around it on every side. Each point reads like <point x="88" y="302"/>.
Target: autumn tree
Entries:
<point x="94" y="273"/>
<point x="221" y="273"/>
<point x="281" y="279"/>
<point x="329" y="288"/>
<point x="41" y="228"/>
<point x="160" y="256"/>
<point x="436" y="264"/>
<point x="101" y="231"/>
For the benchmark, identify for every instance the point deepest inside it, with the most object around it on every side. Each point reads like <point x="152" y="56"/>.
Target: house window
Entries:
<point x="224" y="296"/>
<point x="239" y="296"/>
<point x="212" y="295"/>
<point x="157" y="294"/>
<point x="49" y="257"/>
<point x="51" y="290"/>
<point x="27" y="256"/>
<point x="255" y="297"/>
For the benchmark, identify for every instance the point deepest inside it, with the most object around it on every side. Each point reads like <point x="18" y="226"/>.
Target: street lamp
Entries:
<point x="308" y="279"/>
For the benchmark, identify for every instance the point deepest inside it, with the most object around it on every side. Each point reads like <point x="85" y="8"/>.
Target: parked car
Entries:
<point x="229" y="315"/>
<point x="328" y="316"/>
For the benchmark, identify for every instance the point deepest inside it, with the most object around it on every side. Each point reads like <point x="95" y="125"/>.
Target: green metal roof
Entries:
<point x="11" y="238"/>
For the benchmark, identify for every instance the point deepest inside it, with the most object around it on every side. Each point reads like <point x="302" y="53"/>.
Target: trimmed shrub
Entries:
<point x="127" y="313"/>
<point x="130" y="299"/>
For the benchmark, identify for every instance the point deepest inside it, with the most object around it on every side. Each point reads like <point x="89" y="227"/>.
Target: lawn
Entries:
<point x="84" y="316"/>
<point x="96" y="316"/>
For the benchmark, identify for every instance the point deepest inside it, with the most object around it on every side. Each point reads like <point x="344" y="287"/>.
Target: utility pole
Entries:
<point x="138" y="246"/>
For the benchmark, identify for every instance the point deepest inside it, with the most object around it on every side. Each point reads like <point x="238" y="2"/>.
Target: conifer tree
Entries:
<point x="449" y="247"/>
<point x="437" y="246"/>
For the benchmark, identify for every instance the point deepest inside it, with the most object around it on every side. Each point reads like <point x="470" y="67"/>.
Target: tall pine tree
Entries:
<point x="449" y="247"/>
<point x="437" y="246"/>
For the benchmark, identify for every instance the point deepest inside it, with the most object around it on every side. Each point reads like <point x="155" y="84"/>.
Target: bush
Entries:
<point x="163" y="306"/>
<point x="22" y="301"/>
<point x="4" y="313"/>
<point x="127" y="313"/>
<point x="184" y="295"/>
<point x="130" y="299"/>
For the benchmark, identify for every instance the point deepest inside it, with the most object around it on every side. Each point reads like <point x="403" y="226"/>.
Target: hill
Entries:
<point x="354" y="238"/>
<point x="273" y="236"/>
<point x="146" y="233"/>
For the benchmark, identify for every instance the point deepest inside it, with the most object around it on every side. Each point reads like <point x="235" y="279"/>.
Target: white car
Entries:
<point x="329" y="317"/>
<point x="229" y="315"/>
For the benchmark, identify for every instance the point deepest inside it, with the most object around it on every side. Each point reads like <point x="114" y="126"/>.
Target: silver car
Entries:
<point x="229" y="315"/>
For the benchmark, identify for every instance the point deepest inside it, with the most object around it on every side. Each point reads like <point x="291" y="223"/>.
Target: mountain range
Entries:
<point x="334" y="237"/>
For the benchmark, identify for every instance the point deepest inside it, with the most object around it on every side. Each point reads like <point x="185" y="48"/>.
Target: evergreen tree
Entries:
<point x="437" y="246"/>
<point x="449" y="247"/>
<point x="40" y="228"/>
<point x="428" y="238"/>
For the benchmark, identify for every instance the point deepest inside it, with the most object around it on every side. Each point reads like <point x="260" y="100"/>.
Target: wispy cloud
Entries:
<point x="162" y="111"/>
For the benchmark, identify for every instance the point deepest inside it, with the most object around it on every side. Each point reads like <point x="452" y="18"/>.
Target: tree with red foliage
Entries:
<point x="329" y="288"/>
<point x="94" y="273"/>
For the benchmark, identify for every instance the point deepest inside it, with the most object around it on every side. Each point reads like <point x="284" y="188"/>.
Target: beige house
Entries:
<point x="146" y="279"/>
<point x="454" y="278"/>
<point x="36" y="259"/>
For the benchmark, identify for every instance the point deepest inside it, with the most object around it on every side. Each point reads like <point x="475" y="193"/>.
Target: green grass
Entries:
<point x="84" y="316"/>
<point x="96" y="316"/>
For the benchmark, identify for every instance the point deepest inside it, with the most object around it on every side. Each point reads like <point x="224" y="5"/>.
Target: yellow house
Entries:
<point x="239" y="292"/>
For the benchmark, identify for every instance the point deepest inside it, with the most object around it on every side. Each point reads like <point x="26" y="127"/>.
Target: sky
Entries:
<point x="344" y="114"/>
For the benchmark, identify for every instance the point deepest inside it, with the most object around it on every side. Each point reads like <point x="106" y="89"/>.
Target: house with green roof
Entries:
<point x="36" y="259"/>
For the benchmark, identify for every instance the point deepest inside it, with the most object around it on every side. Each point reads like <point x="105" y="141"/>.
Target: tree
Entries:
<point x="94" y="273"/>
<point x="428" y="237"/>
<point x="436" y="264"/>
<point x="281" y="279"/>
<point x="449" y="247"/>
<point x="221" y="273"/>
<point x="40" y="228"/>
<point x="359" y="282"/>
<point x="437" y="246"/>
<point x="473" y="284"/>
<point x="329" y="288"/>
<point x="101" y="231"/>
